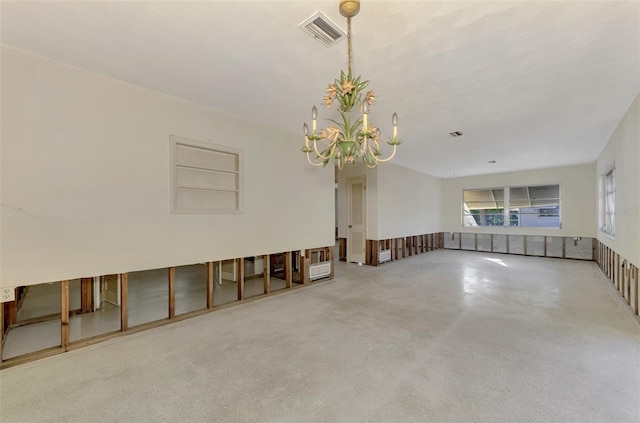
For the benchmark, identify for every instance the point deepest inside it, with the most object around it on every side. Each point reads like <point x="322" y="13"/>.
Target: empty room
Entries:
<point x="323" y="211"/>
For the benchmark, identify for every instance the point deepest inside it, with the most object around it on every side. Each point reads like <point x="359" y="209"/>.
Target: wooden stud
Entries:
<point x="330" y="258"/>
<point x="301" y="266"/>
<point x="627" y="283"/>
<point x="210" y="282"/>
<point x="240" y="275"/>
<point x="266" y="270"/>
<point x="342" y="252"/>
<point x="563" y="247"/>
<point x="545" y="246"/>
<point x="64" y="315"/>
<point x="86" y="297"/>
<point x="618" y="272"/>
<point x="124" y="302"/>
<point x="1" y="327"/>
<point x="10" y="313"/>
<point x="475" y="242"/>
<point x="288" y="270"/>
<point x="491" y="249"/>
<point x="172" y="292"/>
<point x="635" y="305"/>
<point x="306" y="277"/>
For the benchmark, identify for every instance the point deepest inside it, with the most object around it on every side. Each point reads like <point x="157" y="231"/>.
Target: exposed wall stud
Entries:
<point x="240" y="275"/>
<point x="210" y="285"/>
<point x="64" y="315"/>
<point x="266" y="273"/>
<point x="288" y="271"/>
<point x="172" y="292"/>
<point x="124" y="302"/>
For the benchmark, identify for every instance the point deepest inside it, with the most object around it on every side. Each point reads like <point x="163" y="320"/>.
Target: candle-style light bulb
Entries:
<point x="314" y="116"/>
<point x="306" y="129"/>
<point x="365" y="116"/>
<point x="394" y="121"/>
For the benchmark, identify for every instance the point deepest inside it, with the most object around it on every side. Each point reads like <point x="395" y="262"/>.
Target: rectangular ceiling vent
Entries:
<point x="323" y="29"/>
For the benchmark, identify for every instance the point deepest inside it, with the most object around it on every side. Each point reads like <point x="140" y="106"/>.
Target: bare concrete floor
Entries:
<point x="445" y="336"/>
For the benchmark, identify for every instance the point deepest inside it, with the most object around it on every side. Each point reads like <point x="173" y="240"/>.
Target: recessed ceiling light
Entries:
<point x="492" y="161"/>
<point x="455" y="134"/>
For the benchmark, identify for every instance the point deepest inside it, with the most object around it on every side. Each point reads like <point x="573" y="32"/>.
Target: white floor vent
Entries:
<point x="319" y="270"/>
<point x="384" y="255"/>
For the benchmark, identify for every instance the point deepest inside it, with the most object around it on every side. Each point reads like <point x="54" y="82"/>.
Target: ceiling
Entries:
<point x="531" y="84"/>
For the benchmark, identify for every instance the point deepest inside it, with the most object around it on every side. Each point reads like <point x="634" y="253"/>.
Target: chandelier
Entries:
<point x="347" y="141"/>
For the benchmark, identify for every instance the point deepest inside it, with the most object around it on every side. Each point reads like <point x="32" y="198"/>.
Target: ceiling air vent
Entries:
<point x="323" y="29"/>
<point x="455" y="134"/>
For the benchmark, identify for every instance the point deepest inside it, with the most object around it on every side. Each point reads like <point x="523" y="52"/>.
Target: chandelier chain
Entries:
<point x="349" y="42"/>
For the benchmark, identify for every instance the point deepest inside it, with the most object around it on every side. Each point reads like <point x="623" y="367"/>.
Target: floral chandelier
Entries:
<point x="345" y="141"/>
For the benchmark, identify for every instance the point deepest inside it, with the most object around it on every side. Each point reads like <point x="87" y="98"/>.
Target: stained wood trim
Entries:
<point x="172" y="291"/>
<point x="124" y="302"/>
<point x="210" y="282"/>
<point x="64" y="314"/>
<point x="266" y="270"/>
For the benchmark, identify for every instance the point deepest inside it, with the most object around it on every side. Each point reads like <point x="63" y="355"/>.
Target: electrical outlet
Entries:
<point x="7" y="294"/>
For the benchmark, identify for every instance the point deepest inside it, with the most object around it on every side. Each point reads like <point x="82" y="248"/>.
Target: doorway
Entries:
<point x="356" y="220"/>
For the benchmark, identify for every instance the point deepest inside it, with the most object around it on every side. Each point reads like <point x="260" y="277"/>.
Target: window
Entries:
<point x="205" y="178"/>
<point x="525" y="206"/>
<point x="483" y="207"/>
<point x="609" y="202"/>
<point x="535" y="206"/>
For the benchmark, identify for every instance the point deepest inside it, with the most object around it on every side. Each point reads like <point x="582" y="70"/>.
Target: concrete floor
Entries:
<point x="445" y="336"/>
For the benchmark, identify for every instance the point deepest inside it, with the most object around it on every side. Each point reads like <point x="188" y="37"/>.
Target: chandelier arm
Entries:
<point x="315" y="147"/>
<point x="390" y="157"/>
<point x="312" y="162"/>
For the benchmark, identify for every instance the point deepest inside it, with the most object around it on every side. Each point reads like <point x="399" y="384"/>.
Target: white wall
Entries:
<point x="578" y="194"/>
<point x="371" y="196"/>
<point x="408" y="202"/>
<point x="85" y="179"/>
<point x="623" y="151"/>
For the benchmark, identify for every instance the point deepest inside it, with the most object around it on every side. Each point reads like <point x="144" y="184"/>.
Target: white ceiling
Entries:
<point x="531" y="84"/>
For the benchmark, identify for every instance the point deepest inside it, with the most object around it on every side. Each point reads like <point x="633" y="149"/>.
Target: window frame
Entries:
<point x="508" y="209"/>
<point x="608" y="209"/>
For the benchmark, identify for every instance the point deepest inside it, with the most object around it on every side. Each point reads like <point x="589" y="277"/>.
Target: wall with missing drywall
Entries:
<point x="85" y="179"/>
<point x="623" y="152"/>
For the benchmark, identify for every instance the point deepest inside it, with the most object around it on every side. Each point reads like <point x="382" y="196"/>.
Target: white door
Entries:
<point x="356" y="222"/>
